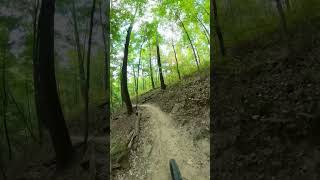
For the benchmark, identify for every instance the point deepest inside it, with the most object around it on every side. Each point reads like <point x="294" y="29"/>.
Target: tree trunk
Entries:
<point x="21" y="113"/>
<point x="35" y="46"/>
<point x="150" y="66"/>
<point x="135" y="85"/>
<point x="107" y="40"/>
<point x="86" y="133"/>
<point x="50" y="105"/>
<point x="191" y="44"/>
<point x="5" y="103"/>
<point x="29" y="109"/>
<point x="177" y="64"/>
<point x="282" y="17"/>
<point x="207" y="34"/>
<point x="288" y="4"/>
<point x="162" y="85"/>
<point x="205" y="10"/>
<point x="3" y="172"/>
<point x="138" y="73"/>
<point x="124" y="79"/>
<point x="198" y="56"/>
<point x="79" y="51"/>
<point x="218" y="28"/>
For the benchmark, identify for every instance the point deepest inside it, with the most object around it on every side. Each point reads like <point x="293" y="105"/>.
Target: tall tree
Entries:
<point x="106" y="41"/>
<point x="288" y="4"/>
<point x="5" y="101"/>
<point x="50" y="106"/>
<point x="88" y="74"/>
<point x="190" y="41"/>
<point x="162" y="84"/>
<point x="206" y="32"/>
<point x="124" y="79"/>
<point x="35" y="46"/>
<point x="150" y="66"/>
<point x="138" y="72"/>
<point x="282" y="17"/>
<point x="80" y="53"/>
<point x="217" y="27"/>
<point x="177" y="64"/>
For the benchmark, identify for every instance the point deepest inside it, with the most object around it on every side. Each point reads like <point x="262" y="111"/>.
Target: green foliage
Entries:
<point x="156" y="22"/>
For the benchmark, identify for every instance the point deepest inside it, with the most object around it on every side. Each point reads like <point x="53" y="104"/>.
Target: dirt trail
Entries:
<point x="167" y="141"/>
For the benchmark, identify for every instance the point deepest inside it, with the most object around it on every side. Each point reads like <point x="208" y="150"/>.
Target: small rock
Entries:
<point x="148" y="150"/>
<point x="255" y="117"/>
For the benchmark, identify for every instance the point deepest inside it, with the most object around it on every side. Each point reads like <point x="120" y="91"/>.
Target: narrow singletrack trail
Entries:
<point x="169" y="141"/>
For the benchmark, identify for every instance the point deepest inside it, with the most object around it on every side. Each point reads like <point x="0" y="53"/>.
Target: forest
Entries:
<point x="123" y="89"/>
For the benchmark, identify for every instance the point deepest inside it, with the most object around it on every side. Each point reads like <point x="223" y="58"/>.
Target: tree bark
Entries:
<point x="124" y="79"/>
<point x="191" y="44"/>
<point x="86" y="133"/>
<point x="50" y="105"/>
<point x="218" y="28"/>
<point x="150" y="66"/>
<point x="162" y="85"/>
<point x="177" y="64"/>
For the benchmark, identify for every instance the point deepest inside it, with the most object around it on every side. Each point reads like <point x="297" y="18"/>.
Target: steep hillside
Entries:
<point x="267" y="108"/>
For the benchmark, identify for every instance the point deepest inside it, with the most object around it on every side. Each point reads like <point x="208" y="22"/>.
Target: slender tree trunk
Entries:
<point x="177" y="64"/>
<point x="207" y="34"/>
<point x="282" y="17"/>
<point x="79" y="51"/>
<point x="76" y="86"/>
<point x="49" y="100"/>
<point x="191" y="44"/>
<point x="205" y="10"/>
<point x="199" y="60"/>
<point x="162" y="85"/>
<point x="2" y="168"/>
<point x="150" y="66"/>
<point x="29" y="109"/>
<point x="218" y="28"/>
<point x="86" y="133"/>
<point x="288" y="4"/>
<point x="5" y="104"/>
<point x="3" y="172"/>
<point x="106" y="42"/>
<point x="21" y="113"/>
<point x="124" y="79"/>
<point x="135" y="85"/>
<point x="36" y="79"/>
<point x="138" y="73"/>
<point x="142" y="75"/>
